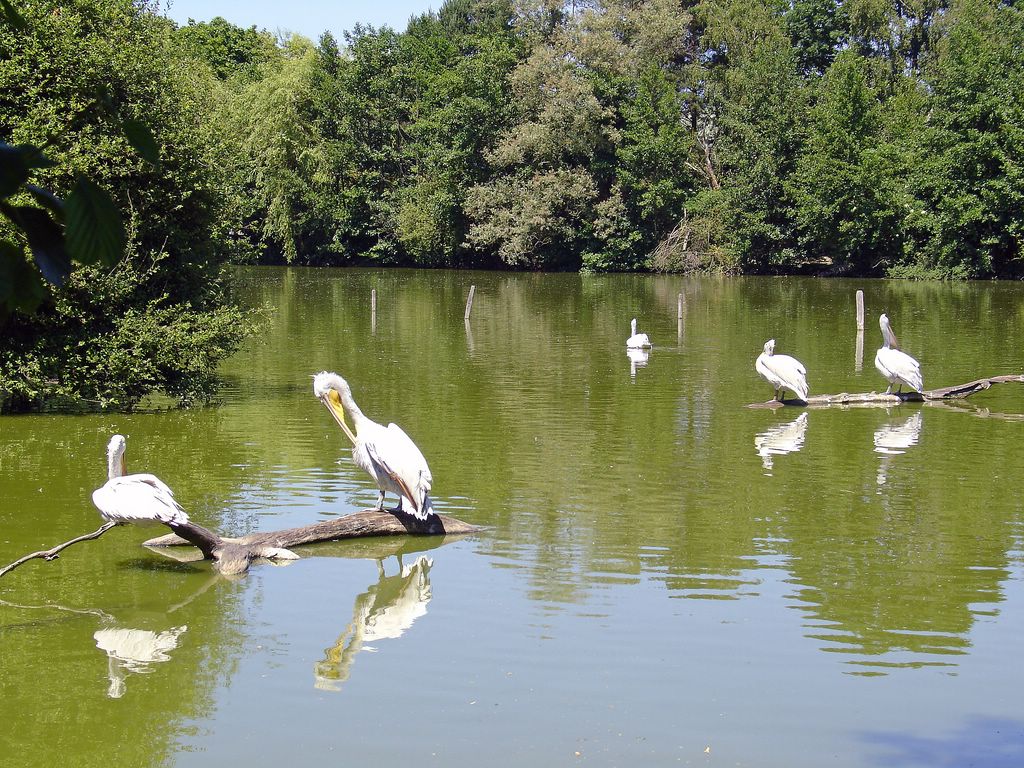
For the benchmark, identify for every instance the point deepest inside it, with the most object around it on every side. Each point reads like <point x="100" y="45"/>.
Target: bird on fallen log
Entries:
<point x="895" y="365"/>
<point x="637" y="340"/>
<point x="782" y="372"/>
<point x="388" y="454"/>
<point x="140" y="499"/>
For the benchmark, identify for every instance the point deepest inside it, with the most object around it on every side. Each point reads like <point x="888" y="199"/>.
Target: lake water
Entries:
<point x="666" y="576"/>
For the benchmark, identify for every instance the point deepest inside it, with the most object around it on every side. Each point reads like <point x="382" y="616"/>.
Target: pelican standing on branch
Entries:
<point x="387" y="453"/>
<point x="896" y="366"/>
<point x="139" y="499"/>
<point x="637" y="340"/>
<point x="782" y="372"/>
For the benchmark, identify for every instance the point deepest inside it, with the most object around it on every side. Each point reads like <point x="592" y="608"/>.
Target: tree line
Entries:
<point x="839" y="137"/>
<point x="845" y="137"/>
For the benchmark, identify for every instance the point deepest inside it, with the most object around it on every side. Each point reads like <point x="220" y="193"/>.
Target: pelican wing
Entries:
<point x="896" y="365"/>
<point x="785" y="371"/>
<point x="395" y="454"/>
<point x="139" y="499"/>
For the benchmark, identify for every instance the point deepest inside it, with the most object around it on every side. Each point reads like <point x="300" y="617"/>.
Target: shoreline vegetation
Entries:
<point x="825" y="137"/>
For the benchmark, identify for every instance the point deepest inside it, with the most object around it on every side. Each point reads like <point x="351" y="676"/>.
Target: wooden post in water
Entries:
<point x="858" y="359"/>
<point x="469" y="301"/>
<point x="373" y="310"/>
<point x="680" y="306"/>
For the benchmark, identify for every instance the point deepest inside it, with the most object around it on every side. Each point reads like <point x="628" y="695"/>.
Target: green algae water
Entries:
<point x="665" y="576"/>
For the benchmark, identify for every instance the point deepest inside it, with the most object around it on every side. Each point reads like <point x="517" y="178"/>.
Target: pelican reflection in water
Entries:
<point x="133" y="650"/>
<point x="637" y="359"/>
<point x="893" y="440"/>
<point x="383" y="612"/>
<point x="780" y="440"/>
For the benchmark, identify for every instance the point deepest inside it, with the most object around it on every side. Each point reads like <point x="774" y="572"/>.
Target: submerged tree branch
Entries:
<point x="956" y="392"/>
<point x="369" y="522"/>
<point x="54" y="552"/>
<point x="234" y="555"/>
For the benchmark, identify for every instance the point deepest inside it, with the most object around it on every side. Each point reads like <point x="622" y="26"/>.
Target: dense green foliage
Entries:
<point x="157" y="319"/>
<point x="854" y="137"/>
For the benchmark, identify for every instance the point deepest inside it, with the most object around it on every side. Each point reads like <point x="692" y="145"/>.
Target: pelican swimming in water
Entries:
<point x="782" y="372"/>
<point x="387" y="453"/>
<point x="139" y="499"/>
<point x="896" y="366"/>
<point x="637" y="340"/>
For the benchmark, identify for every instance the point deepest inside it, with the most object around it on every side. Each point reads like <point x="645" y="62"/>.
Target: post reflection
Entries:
<point x="893" y="440"/>
<point x="470" y="347"/>
<point x="637" y="359"/>
<point x="384" y="611"/>
<point x="134" y="650"/>
<point x="780" y="440"/>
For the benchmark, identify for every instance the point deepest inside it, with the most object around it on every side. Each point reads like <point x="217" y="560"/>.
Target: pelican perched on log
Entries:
<point x="140" y="499"/>
<point x="387" y="453"/>
<point x="896" y="366"/>
<point x="782" y="372"/>
<point x="637" y="340"/>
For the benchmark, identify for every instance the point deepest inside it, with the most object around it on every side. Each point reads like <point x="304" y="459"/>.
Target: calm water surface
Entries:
<point x="667" y="576"/>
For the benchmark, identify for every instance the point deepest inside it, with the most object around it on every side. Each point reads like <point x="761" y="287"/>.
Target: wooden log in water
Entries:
<point x="956" y="392"/>
<point x="233" y="555"/>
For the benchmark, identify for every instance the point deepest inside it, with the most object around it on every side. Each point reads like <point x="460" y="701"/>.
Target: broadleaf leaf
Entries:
<point x="93" y="226"/>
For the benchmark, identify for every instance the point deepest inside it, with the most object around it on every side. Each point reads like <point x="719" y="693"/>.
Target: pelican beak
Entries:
<point x="124" y="466"/>
<point x="332" y="401"/>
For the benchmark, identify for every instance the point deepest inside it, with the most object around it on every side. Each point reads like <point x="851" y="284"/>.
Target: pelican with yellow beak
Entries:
<point x="386" y="453"/>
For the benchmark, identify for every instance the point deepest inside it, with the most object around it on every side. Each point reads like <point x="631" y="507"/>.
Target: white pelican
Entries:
<point x="782" y="372"/>
<point x="637" y="340"/>
<point x="140" y="499"/>
<point x="387" y="453"/>
<point x="896" y="366"/>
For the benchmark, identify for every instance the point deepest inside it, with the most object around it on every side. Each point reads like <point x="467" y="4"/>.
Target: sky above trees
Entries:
<point x="306" y="17"/>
